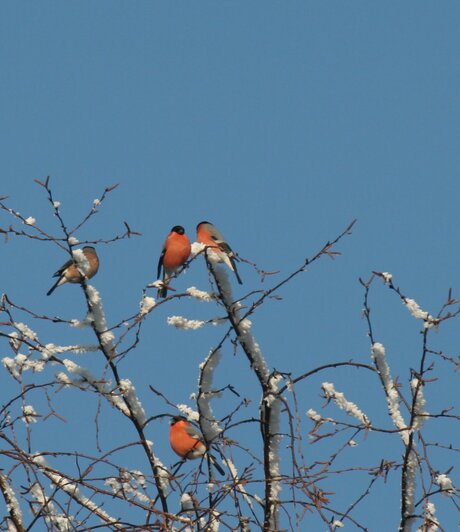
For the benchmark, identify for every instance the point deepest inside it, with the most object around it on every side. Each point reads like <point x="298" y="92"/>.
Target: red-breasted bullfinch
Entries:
<point x="176" y="251"/>
<point x="187" y="442"/>
<point x="68" y="272"/>
<point x="210" y="236"/>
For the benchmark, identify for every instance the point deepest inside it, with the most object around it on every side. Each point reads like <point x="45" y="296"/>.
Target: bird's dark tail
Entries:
<point x="53" y="288"/>
<point x="232" y="259"/>
<point x="216" y="464"/>
<point x="163" y="291"/>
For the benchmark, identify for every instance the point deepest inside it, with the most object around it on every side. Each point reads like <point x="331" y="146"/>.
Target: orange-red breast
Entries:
<point x="176" y="250"/>
<point x="210" y="236"/>
<point x="69" y="273"/>
<point x="187" y="442"/>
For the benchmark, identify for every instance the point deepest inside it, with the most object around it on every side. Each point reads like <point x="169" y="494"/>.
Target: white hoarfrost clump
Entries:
<point x="274" y="458"/>
<point x="188" y="412"/>
<point x="275" y="381"/>
<point x="340" y="400"/>
<point x="12" y="504"/>
<point x="129" y="483"/>
<point x="430" y="523"/>
<point x="15" y="341"/>
<point x="50" y="349"/>
<point x="378" y="354"/>
<point x="273" y="402"/>
<point x="26" y="331"/>
<point x="98" y="316"/>
<point x="20" y="363"/>
<point x="63" y="378"/>
<point x="12" y="367"/>
<point x="186" y="502"/>
<point x="209" y="423"/>
<point x="81" y="261"/>
<point x="387" y="277"/>
<point x="129" y="393"/>
<point x="197" y="247"/>
<point x="156" y="284"/>
<point x="246" y="337"/>
<point x="409" y="494"/>
<point x="317" y="418"/>
<point x="28" y="414"/>
<point x="418" y="313"/>
<point x="80" y="324"/>
<point x="446" y="484"/>
<point x="419" y="407"/>
<point x="163" y="475"/>
<point x="314" y="416"/>
<point x="201" y="295"/>
<point x="183" y="323"/>
<point x="146" y="304"/>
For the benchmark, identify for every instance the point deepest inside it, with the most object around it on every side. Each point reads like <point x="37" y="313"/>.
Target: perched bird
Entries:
<point x="68" y="273"/>
<point x="176" y="250"/>
<point x="208" y="235"/>
<point x="188" y="443"/>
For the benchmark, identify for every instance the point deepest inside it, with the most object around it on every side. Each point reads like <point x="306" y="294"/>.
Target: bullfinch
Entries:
<point x="69" y="273"/>
<point x="176" y="251"/>
<point x="187" y="442"/>
<point x="210" y="236"/>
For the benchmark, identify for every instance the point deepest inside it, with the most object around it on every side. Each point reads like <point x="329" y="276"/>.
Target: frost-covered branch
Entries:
<point x="136" y="411"/>
<point x="12" y="504"/>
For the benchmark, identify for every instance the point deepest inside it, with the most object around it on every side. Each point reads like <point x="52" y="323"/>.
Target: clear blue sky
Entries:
<point x="278" y="121"/>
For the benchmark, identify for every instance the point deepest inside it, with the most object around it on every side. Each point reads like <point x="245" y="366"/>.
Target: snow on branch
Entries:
<point x="52" y="517"/>
<point x="189" y="413"/>
<point x="163" y="476"/>
<point x="419" y="412"/>
<point x="201" y="295"/>
<point x="341" y="401"/>
<point x="208" y="422"/>
<point x="129" y="393"/>
<point x="409" y="480"/>
<point x="81" y="324"/>
<point x="98" y="317"/>
<point x="103" y="388"/>
<point x="197" y="248"/>
<point x="73" y="490"/>
<point x="20" y="363"/>
<point x="378" y="355"/>
<point x="130" y="483"/>
<point x="12" y="503"/>
<point x="26" y="331"/>
<point x="183" y="323"/>
<point x="446" y="484"/>
<point x="29" y="414"/>
<point x="50" y="350"/>
<point x="146" y="305"/>
<point x="236" y="481"/>
<point x="419" y="314"/>
<point x="430" y="522"/>
<point x="81" y="261"/>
